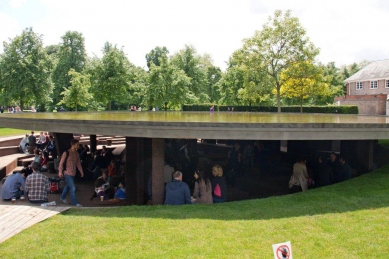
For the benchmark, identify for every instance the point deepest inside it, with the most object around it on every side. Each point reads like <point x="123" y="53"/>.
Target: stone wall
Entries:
<point x="367" y="104"/>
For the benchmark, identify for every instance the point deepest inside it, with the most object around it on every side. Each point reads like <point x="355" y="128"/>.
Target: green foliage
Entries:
<point x="168" y="86"/>
<point x="155" y="54"/>
<point x="77" y="95"/>
<point x="302" y="81"/>
<point x="280" y="44"/>
<point x="111" y="77"/>
<point x="194" y="68"/>
<point x="71" y="55"/>
<point x="344" y="109"/>
<point x="25" y="70"/>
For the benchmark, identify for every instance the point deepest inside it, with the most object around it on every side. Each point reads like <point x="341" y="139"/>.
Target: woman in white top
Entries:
<point x="23" y="143"/>
<point x="299" y="179"/>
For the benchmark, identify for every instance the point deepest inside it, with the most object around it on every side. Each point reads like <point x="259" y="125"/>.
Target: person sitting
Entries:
<point x="24" y="143"/>
<point x="102" y="187"/>
<point x="42" y="141"/>
<point x="120" y="194"/>
<point x="219" y="185"/>
<point x="202" y="193"/>
<point x="14" y="185"/>
<point x="44" y="159"/>
<point x="37" y="185"/>
<point x="50" y="148"/>
<point x="176" y="191"/>
<point x="32" y="139"/>
<point x="37" y="159"/>
<point x="299" y="180"/>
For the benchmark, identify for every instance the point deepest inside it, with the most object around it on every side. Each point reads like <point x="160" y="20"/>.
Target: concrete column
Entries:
<point x="158" y="162"/>
<point x="130" y="170"/>
<point x="359" y="154"/>
<point x="93" y="143"/>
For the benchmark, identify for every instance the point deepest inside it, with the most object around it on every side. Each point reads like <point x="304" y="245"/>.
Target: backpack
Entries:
<point x="65" y="162"/>
<point x="54" y="187"/>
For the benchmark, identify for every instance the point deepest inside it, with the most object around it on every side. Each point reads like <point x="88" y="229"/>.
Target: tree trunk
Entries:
<point x="21" y="105"/>
<point x="301" y="105"/>
<point x="279" y="98"/>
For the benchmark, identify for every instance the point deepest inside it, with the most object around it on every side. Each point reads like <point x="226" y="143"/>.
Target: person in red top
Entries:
<point x="112" y="169"/>
<point x="70" y="162"/>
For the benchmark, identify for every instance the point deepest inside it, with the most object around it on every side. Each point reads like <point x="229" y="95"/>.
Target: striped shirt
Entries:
<point x="72" y="163"/>
<point x="37" y="186"/>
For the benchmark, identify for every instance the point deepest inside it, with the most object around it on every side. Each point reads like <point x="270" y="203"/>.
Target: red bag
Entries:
<point x="54" y="187"/>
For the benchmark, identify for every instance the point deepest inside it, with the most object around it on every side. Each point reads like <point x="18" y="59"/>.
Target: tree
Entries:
<point x="78" y="92"/>
<point x="302" y="81"/>
<point x="111" y="77"/>
<point x="25" y="70"/>
<point x="154" y="55"/>
<point x="280" y="44"/>
<point x="71" y="55"/>
<point x="168" y="85"/>
<point x="333" y="77"/>
<point x="190" y="62"/>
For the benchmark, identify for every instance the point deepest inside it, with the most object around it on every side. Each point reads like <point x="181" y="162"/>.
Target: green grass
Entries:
<point x="384" y="142"/>
<point x="5" y="132"/>
<point x="346" y="220"/>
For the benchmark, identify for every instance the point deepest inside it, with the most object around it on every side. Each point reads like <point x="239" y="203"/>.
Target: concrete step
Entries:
<point x="9" y="150"/>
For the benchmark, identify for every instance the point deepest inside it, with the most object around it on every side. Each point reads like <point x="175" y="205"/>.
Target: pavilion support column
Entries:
<point x="130" y="170"/>
<point x="158" y="162"/>
<point x="62" y="142"/>
<point x="359" y="154"/>
<point x="93" y="143"/>
<point x="137" y="167"/>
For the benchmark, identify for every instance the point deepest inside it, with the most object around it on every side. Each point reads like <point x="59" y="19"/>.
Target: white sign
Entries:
<point x="282" y="251"/>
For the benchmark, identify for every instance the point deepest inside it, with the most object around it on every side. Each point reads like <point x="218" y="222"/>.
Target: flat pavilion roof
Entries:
<point x="206" y="125"/>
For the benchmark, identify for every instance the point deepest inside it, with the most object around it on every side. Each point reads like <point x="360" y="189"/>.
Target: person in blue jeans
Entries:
<point x="70" y="162"/>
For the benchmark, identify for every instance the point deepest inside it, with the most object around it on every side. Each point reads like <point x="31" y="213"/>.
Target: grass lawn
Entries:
<point x="346" y="220"/>
<point x="5" y="132"/>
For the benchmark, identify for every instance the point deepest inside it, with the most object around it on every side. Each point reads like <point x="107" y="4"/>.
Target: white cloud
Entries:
<point x="17" y="3"/>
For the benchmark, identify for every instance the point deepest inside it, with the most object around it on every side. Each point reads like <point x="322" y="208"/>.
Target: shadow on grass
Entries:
<point x="369" y="191"/>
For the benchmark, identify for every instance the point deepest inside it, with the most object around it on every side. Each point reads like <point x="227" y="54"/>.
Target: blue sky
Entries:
<point x="345" y="31"/>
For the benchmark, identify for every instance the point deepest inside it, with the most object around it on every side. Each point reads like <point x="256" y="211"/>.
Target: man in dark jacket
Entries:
<point x="176" y="191"/>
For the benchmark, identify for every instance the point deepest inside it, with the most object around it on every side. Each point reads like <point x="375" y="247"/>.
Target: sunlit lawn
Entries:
<point x="346" y="220"/>
<point x="5" y="132"/>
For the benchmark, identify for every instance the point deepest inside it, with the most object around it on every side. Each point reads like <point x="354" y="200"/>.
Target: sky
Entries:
<point x="346" y="31"/>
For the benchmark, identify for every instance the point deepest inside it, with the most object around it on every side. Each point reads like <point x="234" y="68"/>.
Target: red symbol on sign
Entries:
<point x="283" y="252"/>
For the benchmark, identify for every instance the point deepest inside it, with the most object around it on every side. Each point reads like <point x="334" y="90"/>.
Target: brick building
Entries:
<point x="368" y="89"/>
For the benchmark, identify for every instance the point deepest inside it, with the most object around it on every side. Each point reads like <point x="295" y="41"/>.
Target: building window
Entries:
<point x="373" y="84"/>
<point x="359" y="85"/>
<point x="386" y="83"/>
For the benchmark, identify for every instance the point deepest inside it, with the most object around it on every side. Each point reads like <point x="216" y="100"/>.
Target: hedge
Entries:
<point x="344" y="109"/>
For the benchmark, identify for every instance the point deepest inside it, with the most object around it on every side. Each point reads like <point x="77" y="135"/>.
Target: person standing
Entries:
<point x="70" y="162"/>
<point x="37" y="185"/>
<point x="176" y="191"/>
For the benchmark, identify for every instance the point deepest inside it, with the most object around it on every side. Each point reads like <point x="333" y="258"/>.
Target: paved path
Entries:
<point x="16" y="218"/>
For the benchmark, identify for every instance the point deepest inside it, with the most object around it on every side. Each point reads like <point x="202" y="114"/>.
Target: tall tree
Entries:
<point x="190" y="62"/>
<point x="154" y="55"/>
<point x="280" y="44"/>
<point x="78" y="93"/>
<point x="25" y="70"/>
<point x="111" y="77"/>
<point x="71" y="55"/>
<point x="168" y="85"/>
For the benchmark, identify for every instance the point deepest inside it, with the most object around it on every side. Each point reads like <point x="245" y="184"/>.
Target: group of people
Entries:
<point x="205" y="191"/>
<point x="34" y="186"/>
<point x="325" y="173"/>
